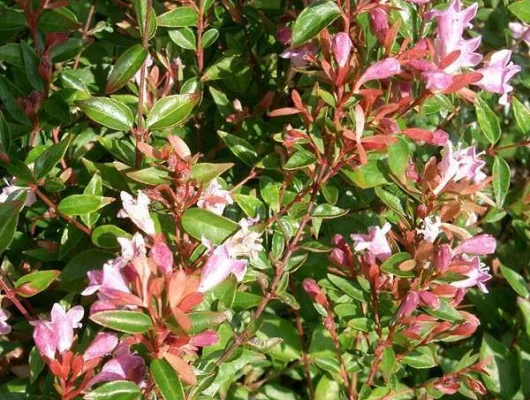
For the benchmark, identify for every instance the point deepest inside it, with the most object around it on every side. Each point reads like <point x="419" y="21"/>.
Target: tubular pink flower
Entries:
<point x="5" y="328"/>
<point x="124" y="366"/>
<point x="380" y="70"/>
<point x="497" y="74"/>
<point x="162" y="256"/>
<point x="104" y="343"/>
<point x="379" y="23"/>
<point x="218" y="267"/>
<point x="478" y="275"/>
<point x="375" y="242"/>
<point x="480" y="245"/>
<point x="214" y="198"/>
<point x="138" y="211"/>
<point x="206" y="338"/>
<point x="12" y="188"/>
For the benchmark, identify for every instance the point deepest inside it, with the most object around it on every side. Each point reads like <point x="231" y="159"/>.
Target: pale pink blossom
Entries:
<point x="57" y="335"/>
<point x="162" y="256"/>
<point x="245" y="242"/>
<point x="13" y="189"/>
<point x="478" y="275"/>
<point x="104" y="343"/>
<point x="5" y="328"/>
<point x="431" y="228"/>
<point x="138" y="211"/>
<point x="124" y="366"/>
<point x="379" y="23"/>
<point x="380" y="70"/>
<point x="375" y="242"/>
<point x="497" y="74"/>
<point x="520" y="31"/>
<point x="442" y="258"/>
<point x="132" y="248"/>
<point x="480" y="245"/>
<point x="204" y="339"/>
<point x="109" y="279"/>
<point x="341" y="46"/>
<point x="220" y="266"/>
<point x="300" y="56"/>
<point x="215" y="198"/>
<point x="460" y="164"/>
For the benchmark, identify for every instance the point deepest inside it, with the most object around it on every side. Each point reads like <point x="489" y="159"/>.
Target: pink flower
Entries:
<point x="480" y="244"/>
<point x="341" y="46"/>
<point x="206" y="338"/>
<point x="379" y="23"/>
<point x="520" y="31"/>
<point x="375" y="242"/>
<point x="57" y="334"/>
<point x="131" y="248"/>
<point x="442" y="258"/>
<point x="411" y="302"/>
<point x="214" y="198"/>
<point x="380" y="70"/>
<point x="460" y="164"/>
<point x="477" y="275"/>
<point x="104" y="343"/>
<point x="437" y="81"/>
<point x="162" y="256"/>
<point x="13" y="189"/>
<point x="313" y="290"/>
<point x="218" y="267"/>
<point x="124" y="366"/>
<point x="300" y="56"/>
<point x="138" y="211"/>
<point x="497" y="74"/>
<point x="245" y="242"/>
<point x="431" y="228"/>
<point x="5" y="328"/>
<point x="108" y="280"/>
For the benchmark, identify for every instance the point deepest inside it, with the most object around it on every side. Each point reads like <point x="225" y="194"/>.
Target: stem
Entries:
<point x="85" y="33"/>
<point x="305" y="358"/>
<point x="13" y="298"/>
<point x="199" y="51"/>
<point x="140" y="131"/>
<point x="53" y="207"/>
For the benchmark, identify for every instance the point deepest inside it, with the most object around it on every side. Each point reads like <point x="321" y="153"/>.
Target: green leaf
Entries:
<point x="446" y="312"/>
<point x="167" y="380"/>
<point x="123" y="321"/>
<point x="35" y="282"/>
<point x="390" y="200"/>
<point x="150" y="176"/>
<point x="502" y="377"/>
<point x="362" y="324"/>
<point x="521" y="9"/>
<point x="300" y="159"/>
<point x="171" y="110"/>
<point x="95" y="188"/>
<point x="179" y="17"/>
<point x="127" y="64"/>
<point x="108" y="112"/>
<point x="487" y="121"/>
<point x="58" y="20"/>
<point x="10" y="101"/>
<point x="422" y="357"/>
<point x="273" y="327"/>
<point x="106" y="236"/>
<point x="201" y="223"/>
<point x="73" y="275"/>
<point x="270" y="192"/>
<point x="327" y="211"/>
<point x="36" y="364"/>
<point x="209" y="37"/>
<point x="369" y="175"/>
<point x="224" y="68"/>
<point x="352" y="289"/>
<point x="314" y="19"/>
<point x="5" y="134"/>
<point x="11" y="54"/>
<point x="501" y="180"/>
<point x="522" y="114"/>
<point x="50" y="158"/>
<point x="184" y="38"/>
<point x="8" y="221"/>
<point x="140" y="6"/>
<point x="20" y="170"/>
<point x="516" y="281"/>
<point x="115" y="390"/>
<point x="391" y="265"/>
<point x="398" y="158"/>
<point x="78" y="204"/>
<point x="122" y="148"/>
<point x="240" y="147"/>
<point x="31" y="65"/>
<point x="205" y="172"/>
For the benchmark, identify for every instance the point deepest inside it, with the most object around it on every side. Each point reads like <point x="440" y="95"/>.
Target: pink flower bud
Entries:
<point x="314" y="291"/>
<point x="442" y="258"/>
<point x="481" y="245"/>
<point x="379" y="24"/>
<point x="103" y="344"/>
<point x="339" y="257"/>
<point x="430" y="300"/>
<point x="410" y="304"/>
<point x="162" y="256"/>
<point x="342" y="48"/>
<point x="283" y="35"/>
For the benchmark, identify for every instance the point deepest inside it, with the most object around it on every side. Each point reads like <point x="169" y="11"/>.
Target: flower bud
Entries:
<point x="442" y="258"/>
<point x="162" y="256"/>
<point x="410" y="304"/>
<point x="379" y="24"/>
<point x="341" y="47"/>
<point x="314" y="291"/>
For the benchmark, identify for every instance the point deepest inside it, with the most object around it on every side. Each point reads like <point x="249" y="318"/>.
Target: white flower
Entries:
<point x="12" y="188"/>
<point x="244" y="243"/>
<point x="138" y="211"/>
<point x="431" y="228"/>
<point x="214" y="198"/>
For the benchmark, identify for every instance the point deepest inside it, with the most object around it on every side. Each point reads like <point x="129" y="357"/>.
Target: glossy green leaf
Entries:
<point x="108" y="112"/>
<point x="50" y="158"/>
<point x="58" y="20"/>
<point x="171" y="111"/>
<point x="95" y="188"/>
<point x="223" y="68"/>
<point x="422" y="357"/>
<point x="522" y="115"/>
<point x="5" y="133"/>
<point x="370" y="175"/>
<point x="183" y="37"/>
<point x="79" y="204"/>
<point x="126" y="66"/>
<point x="352" y="289"/>
<point x="398" y="158"/>
<point x="8" y="221"/>
<point x="240" y="147"/>
<point x="300" y="159"/>
<point x="150" y="176"/>
<point x="140" y="6"/>
<point x="115" y="390"/>
<point x="313" y="19"/>
<point x="205" y="172"/>
<point x="179" y="17"/>
<point x="487" y="121"/>
<point x="12" y="54"/>
<point x="327" y="211"/>
<point x="201" y="223"/>
<point x="167" y="380"/>
<point x="35" y="282"/>
<point x="521" y="9"/>
<point x="123" y="321"/>
<point x="31" y="65"/>
<point x="36" y="364"/>
<point x="391" y="265"/>
<point x="106" y="236"/>
<point x="501" y="180"/>
<point x="209" y="37"/>
<point x="516" y="281"/>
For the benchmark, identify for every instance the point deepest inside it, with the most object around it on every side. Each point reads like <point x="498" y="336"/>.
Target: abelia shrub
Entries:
<point x="264" y="199"/>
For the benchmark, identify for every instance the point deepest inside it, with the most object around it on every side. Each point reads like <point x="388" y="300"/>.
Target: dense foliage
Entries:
<point x="264" y="199"/>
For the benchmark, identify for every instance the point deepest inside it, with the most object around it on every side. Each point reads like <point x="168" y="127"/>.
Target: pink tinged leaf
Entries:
<point x="206" y="338"/>
<point x="381" y="70"/>
<point x="182" y="368"/>
<point x="480" y="244"/>
<point x="442" y="258"/>
<point x="438" y="137"/>
<point x="104" y="343"/>
<point x="162" y="256"/>
<point x="379" y="23"/>
<point x="410" y="304"/>
<point x="341" y="47"/>
<point x="430" y="300"/>
<point x="180" y="147"/>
